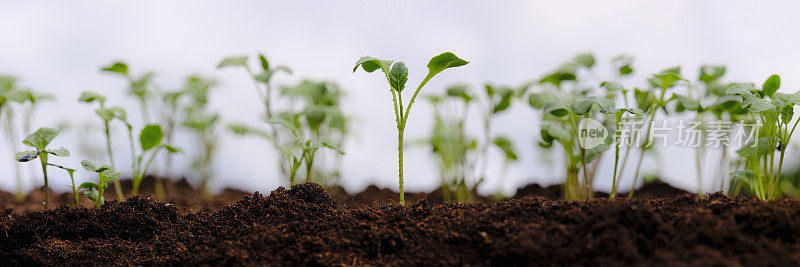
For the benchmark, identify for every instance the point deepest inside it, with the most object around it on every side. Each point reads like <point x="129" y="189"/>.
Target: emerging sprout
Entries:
<point x="107" y="114"/>
<point x="39" y="140"/>
<point x="94" y="191"/>
<point x="150" y="142"/>
<point x="396" y="74"/>
<point x="71" y="173"/>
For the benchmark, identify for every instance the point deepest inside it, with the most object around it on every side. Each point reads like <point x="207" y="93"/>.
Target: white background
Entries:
<point x="57" y="47"/>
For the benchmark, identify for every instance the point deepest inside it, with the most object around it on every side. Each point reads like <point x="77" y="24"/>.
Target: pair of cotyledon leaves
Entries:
<point x="397" y="72"/>
<point x="39" y="140"/>
<point x="267" y="71"/>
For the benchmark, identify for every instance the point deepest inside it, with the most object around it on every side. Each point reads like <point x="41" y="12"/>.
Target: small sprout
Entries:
<point x="107" y="114"/>
<point x="397" y="74"/>
<point x="94" y="191"/>
<point x="39" y="140"/>
<point x="71" y="173"/>
<point x="150" y="142"/>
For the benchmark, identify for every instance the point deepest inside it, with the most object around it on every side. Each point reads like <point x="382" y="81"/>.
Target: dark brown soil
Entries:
<point x="179" y="193"/>
<point x="304" y="226"/>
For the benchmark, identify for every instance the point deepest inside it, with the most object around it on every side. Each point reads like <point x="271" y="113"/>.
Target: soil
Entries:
<point x="305" y="226"/>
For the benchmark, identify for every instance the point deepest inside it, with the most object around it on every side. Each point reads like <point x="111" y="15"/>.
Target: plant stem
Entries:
<point x="12" y="141"/>
<point x="616" y="160"/>
<point x="117" y="186"/>
<point x="43" y="160"/>
<point x="400" y="163"/>
<point x="74" y="189"/>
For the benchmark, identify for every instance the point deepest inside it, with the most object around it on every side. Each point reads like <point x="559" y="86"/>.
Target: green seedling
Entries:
<point x="9" y="93"/>
<point x="204" y="125"/>
<point x="138" y="86"/>
<point x="564" y="102"/>
<point x="150" y="142"/>
<point x="39" y="140"/>
<point x="510" y="155"/>
<point x="94" y="191"/>
<point x="262" y="80"/>
<point x="774" y="113"/>
<point x="71" y="173"/>
<point x="647" y="102"/>
<point x="396" y="74"/>
<point x="107" y="114"/>
<point x="305" y="146"/>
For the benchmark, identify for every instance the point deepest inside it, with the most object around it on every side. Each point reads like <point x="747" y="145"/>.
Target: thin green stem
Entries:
<point x="43" y="160"/>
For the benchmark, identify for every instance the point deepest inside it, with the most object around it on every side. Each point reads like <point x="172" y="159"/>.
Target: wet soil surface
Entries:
<point x="304" y="226"/>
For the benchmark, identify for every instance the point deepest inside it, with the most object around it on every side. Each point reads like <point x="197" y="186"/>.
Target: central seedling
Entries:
<point x="94" y="191"/>
<point x="397" y="74"/>
<point x="39" y="140"/>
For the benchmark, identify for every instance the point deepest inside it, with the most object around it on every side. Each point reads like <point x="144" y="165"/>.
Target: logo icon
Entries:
<point x="591" y="133"/>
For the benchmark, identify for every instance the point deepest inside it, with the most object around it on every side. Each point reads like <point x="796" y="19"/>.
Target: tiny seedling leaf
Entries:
<point x="41" y="138"/>
<point x="59" y="152"/>
<point x="25" y="156"/>
<point x="233" y="61"/>
<point x="442" y="62"/>
<point x="151" y="136"/>
<point x="172" y="148"/>
<point x="398" y="76"/>
<point x="117" y="67"/>
<point x="370" y="64"/>
<point x="505" y="144"/>
<point x="87" y="185"/>
<point x="333" y="146"/>
<point x="771" y="85"/>
<point x="89" y="97"/>
<point x="264" y="62"/>
<point x="742" y="89"/>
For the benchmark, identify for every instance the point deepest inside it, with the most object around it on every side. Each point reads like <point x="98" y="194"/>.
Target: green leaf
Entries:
<point x="711" y="73"/>
<point x="94" y="195"/>
<point x="586" y="59"/>
<point x="756" y="105"/>
<point x="398" y="76"/>
<point x="111" y="175"/>
<point x="88" y="185"/>
<point x="688" y="103"/>
<point x="41" y="138"/>
<point x="171" y="148"/>
<point x="333" y="146"/>
<point x="233" y="61"/>
<point x="507" y="146"/>
<point x="370" y="64"/>
<point x="89" y="97"/>
<point x="787" y="113"/>
<point x="539" y="100"/>
<point x="556" y="109"/>
<point x="668" y="79"/>
<point x="771" y="85"/>
<point x="264" y="62"/>
<point x="266" y="76"/>
<point x="583" y="106"/>
<point x="754" y="149"/>
<point x="442" y="62"/>
<point x="635" y="111"/>
<point x="90" y="166"/>
<point x="742" y="89"/>
<point x="612" y="86"/>
<point x="747" y="176"/>
<point x="461" y="91"/>
<point x="151" y="136"/>
<point x="556" y="131"/>
<point x="58" y="152"/>
<point x="25" y="156"/>
<point x="117" y="67"/>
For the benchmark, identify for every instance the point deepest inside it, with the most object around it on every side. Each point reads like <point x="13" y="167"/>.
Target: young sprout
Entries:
<point x="510" y="155"/>
<point x="39" y="140"/>
<point x="204" y="124"/>
<point x="94" y="191"/>
<point x="773" y="113"/>
<point x="397" y="75"/>
<point x="9" y="93"/>
<point x="137" y="86"/>
<point x="107" y="114"/>
<point x="71" y="173"/>
<point x="150" y="142"/>
<point x="263" y="86"/>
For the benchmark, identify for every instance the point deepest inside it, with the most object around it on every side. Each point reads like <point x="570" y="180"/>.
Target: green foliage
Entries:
<point x="39" y="140"/>
<point x="94" y="191"/>
<point x="397" y="74"/>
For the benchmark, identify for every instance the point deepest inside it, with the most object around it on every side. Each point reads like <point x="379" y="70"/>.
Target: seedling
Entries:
<point x="107" y="114"/>
<point x="94" y="191"/>
<point x="204" y="124"/>
<point x="262" y="80"/>
<point x="510" y="155"/>
<point x="10" y="93"/>
<point x="150" y="142"/>
<point x="39" y="140"/>
<point x="774" y="113"/>
<point x="138" y="87"/>
<point x="71" y="173"/>
<point x="396" y="74"/>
